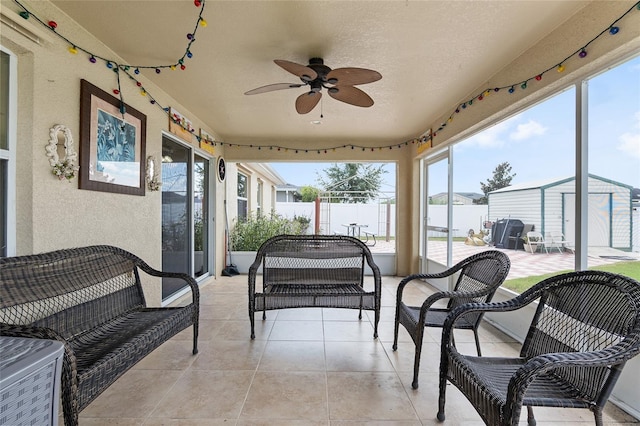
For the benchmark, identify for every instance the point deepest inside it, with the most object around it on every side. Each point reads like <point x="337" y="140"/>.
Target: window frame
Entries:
<point x="9" y="155"/>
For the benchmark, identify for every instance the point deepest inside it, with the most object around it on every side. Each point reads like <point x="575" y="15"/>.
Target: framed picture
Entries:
<point x="112" y="147"/>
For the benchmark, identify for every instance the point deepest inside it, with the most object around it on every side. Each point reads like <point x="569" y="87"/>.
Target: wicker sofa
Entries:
<point x="301" y="271"/>
<point x="91" y="299"/>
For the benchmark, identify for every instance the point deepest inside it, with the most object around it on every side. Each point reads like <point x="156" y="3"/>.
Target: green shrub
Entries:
<point x="249" y="234"/>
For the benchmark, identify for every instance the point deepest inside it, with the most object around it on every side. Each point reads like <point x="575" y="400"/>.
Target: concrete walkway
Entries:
<point x="523" y="264"/>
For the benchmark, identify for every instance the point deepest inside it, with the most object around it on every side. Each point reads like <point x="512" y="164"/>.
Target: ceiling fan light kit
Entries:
<point x="339" y="83"/>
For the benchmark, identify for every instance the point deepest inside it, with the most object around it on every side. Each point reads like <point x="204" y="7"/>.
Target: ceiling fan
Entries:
<point x="339" y="83"/>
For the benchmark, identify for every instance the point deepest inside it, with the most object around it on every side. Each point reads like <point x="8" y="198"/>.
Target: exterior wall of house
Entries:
<point x="256" y="175"/>
<point x="53" y="214"/>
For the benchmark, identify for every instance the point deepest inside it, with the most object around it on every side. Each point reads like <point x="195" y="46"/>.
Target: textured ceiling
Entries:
<point x="431" y="54"/>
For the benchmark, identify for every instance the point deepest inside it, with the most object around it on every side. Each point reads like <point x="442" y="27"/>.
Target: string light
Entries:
<point x="612" y="29"/>
<point x="73" y="48"/>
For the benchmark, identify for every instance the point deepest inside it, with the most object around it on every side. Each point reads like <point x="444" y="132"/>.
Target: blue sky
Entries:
<point x="539" y="142"/>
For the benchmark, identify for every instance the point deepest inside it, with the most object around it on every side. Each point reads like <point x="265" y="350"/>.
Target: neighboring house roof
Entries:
<point x="471" y="195"/>
<point x="545" y="183"/>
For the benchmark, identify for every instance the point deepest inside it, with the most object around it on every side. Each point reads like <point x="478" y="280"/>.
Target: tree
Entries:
<point x="354" y="182"/>
<point x="501" y="178"/>
<point x="309" y="193"/>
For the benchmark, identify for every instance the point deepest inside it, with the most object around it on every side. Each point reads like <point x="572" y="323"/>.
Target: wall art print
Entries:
<point x="112" y="147"/>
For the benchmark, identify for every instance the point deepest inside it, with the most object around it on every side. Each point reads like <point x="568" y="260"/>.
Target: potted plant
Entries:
<point x="248" y="234"/>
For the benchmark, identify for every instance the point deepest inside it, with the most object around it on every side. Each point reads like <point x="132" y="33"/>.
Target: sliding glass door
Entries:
<point x="186" y="205"/>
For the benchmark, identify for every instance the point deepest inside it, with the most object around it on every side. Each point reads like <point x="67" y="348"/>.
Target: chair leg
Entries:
<point x="396" y="329"/>
<point x="416" y="361"/>
<point x="442" y="397"/>
<point x="598" y="415"/>
<point x="475" y="333"/>
<point x="531" y="420"/>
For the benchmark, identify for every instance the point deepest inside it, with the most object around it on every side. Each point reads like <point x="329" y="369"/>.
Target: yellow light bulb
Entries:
<point x="203" y="22"/>
<point x="73" y="50"/>
<point x="560" y="68"/>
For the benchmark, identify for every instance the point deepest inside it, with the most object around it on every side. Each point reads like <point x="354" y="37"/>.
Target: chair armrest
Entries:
<point x="409" y="278"/>
<point x="195" y="291"/>
<point x="545" y="363"/>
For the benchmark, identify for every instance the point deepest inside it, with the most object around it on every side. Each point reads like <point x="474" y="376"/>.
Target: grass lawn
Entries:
<point x="629" y="269"/>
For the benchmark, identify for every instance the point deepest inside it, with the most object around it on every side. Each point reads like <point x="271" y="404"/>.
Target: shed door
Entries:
<point x="599" y="219"/>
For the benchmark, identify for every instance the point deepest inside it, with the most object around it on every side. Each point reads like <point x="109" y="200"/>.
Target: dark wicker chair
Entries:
<point x="479" y="278"/>
<point x="586" y="326"/>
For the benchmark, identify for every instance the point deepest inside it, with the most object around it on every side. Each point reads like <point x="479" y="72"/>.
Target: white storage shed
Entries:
<point x="549" y="205"/>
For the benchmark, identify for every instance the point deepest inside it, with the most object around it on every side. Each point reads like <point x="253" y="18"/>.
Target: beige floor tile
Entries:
<point x="312" y="366"/>
<point x="348" y="331"/>
<point x="368" y="396"/>
<point x="297" y="330"/>
<point x="241" y="329"/>
<point x="293" y="356"/>
<point x="299" y="314"/>
<point x="134" y="395"/>
<point x="286" y="395"/>
<point x="357" y="356"/>
<point x="171" y="355"/>
<point x="201" y="394"/>
<point x="188" y="422"/>
<point x="229" y="355"/>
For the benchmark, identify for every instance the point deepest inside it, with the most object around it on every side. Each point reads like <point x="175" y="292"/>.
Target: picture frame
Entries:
<point x="112" y="144"/>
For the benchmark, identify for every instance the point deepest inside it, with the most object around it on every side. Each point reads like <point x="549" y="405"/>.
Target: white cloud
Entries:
<point x="527" y="130"/>
<point x="491" y="137"/>
<point x="629" y="143"/>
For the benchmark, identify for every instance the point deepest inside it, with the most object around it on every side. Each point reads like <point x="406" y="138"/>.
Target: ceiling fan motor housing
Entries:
<point x="317" y="64"/>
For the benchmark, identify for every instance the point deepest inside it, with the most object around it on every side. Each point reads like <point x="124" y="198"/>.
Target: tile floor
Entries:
<point x="305" y="367"/>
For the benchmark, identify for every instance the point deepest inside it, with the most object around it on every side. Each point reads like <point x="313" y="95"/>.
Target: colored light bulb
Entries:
<point x="539" y="77"/>
<point x="143" y="92"/>
<point x="203" y="23"/>
<point x="138" y="84"/>
<point x="560" y="68"/>
<point x="523" y="85"/>
<point x="24" y="14"/>
<point x="614" y="30"/>
<point x="137" y="71"/>
<point x="197" y="3"/>
<point x="157" y="70"/>
<point x="116" y="92"/>
<point x="173" y="67"/>
<point x="182" y="67"/>
<point x="73" y="50"/>
<point x="512" y="89"/>
<point x="583" y="53"/>
<point x="189" y="54"/>
<point x="92" y="59"/>
<point x="53" y="25"/>
<point x="109" y="65"/>
<point x="189" y="36"/>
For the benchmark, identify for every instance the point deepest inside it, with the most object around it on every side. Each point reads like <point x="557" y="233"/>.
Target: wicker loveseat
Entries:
<point x="301" y="271"/>
<point x="91" y="300"/>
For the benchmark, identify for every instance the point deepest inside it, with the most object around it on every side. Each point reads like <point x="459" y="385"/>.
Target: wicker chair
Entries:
<point x="586" y="326"/>
<point x="480" y="276"/>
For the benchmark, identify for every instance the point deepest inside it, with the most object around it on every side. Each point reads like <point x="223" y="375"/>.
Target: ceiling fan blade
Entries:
<point x="302" y="71"/>
<point x="351" y="76"/>
<point x="272" y="87"/>
<point x="307" y="101"/>
<point x="351" y="95"/>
